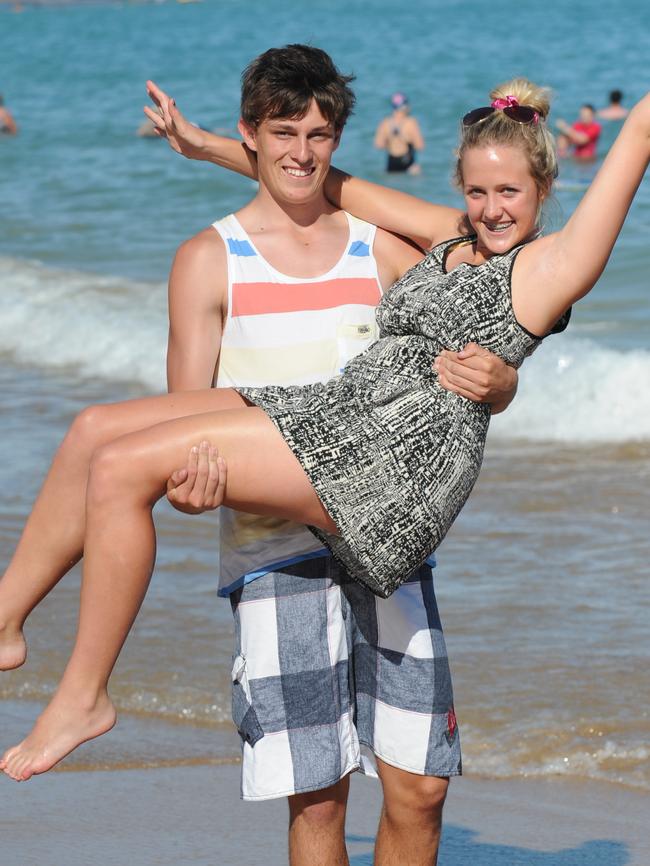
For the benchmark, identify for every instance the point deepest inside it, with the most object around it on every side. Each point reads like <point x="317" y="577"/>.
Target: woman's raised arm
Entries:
<point x="557" y="270"/>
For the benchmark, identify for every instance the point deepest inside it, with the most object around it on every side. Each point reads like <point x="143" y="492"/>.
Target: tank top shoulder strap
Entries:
<point x="362" y="236"/>
<point x="234" y="236"/>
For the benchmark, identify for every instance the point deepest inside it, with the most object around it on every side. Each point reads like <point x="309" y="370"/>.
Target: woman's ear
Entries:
<point x="248" y="133"/>
<point x="544" y="192"/>
<point x="542" y="195"/>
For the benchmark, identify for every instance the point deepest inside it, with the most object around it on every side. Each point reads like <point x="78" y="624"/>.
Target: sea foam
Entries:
<point x="102" y="326"/>
<point x="576" y="390"/>
<point x="573" y="389"/>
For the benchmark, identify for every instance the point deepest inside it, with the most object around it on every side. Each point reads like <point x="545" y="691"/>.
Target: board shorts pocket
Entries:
<point x="243" y="714"/>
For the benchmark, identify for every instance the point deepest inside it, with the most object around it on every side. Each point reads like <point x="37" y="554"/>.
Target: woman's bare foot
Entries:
<point x="13" y="649"/>
<point x="65" y="724"/>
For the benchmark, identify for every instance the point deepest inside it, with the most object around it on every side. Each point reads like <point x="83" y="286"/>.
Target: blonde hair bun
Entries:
<point x="526" y="93"/>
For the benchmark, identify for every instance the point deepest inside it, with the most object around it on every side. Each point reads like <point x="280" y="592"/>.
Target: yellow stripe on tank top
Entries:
<point x="278" y="365"/>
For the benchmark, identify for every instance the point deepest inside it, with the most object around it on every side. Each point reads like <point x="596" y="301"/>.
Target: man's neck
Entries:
<point x="300" y="241"/>
<point x="288" y="216"/>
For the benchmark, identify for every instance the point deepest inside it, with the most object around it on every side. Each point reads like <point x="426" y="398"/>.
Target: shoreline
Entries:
<point x="192" y="816"/>
<point x="188" y="813"/>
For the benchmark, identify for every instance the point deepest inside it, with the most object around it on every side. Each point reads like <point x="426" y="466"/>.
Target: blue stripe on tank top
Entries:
<point x="240" y="248"/>
<point x="359" y="248"/>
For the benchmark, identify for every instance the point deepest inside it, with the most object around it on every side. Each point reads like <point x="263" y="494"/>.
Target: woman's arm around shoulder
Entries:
<point x="421" y="221"/>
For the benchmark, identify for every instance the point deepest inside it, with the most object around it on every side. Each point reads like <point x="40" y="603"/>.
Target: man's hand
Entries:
<point x="479" y="375"/>
<point x="202" y="484"/>
<point x="183" y="136"/>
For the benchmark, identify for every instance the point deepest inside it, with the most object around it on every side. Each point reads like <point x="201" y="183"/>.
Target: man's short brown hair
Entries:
<point x="282" y="82"/>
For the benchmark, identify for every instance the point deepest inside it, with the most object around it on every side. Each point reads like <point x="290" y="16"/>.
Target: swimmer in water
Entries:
<point x="615" y="110"/>
<point x="582" y="135"/>
<point x="400" y="136"/>
<point x="8" y="125"/>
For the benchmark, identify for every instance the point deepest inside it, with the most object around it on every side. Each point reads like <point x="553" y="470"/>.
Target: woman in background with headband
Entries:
<point x="400" y="136"/>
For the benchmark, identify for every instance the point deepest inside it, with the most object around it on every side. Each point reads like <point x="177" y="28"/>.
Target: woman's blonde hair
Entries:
<point x="534" y="139"/>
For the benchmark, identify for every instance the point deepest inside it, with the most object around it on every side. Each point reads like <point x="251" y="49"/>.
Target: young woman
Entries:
<point x="380" y="460"/>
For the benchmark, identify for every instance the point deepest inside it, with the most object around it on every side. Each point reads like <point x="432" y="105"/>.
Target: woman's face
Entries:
<point x="501" y="196"/>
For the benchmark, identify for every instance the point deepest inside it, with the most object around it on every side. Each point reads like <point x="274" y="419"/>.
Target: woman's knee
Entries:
<point x="111" y="476"/>
<point x="88" y="430"/>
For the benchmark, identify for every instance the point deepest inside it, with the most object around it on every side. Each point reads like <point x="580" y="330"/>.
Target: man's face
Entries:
<point x="586" y="114"/>
<point x="293" y="156"/>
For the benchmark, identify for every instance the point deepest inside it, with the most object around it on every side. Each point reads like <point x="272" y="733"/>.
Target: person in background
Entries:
<point x="400" y="136"/>
<point x="8" y="125"/>
<point x="580" y="139"/>
<point x="615" y="110"/>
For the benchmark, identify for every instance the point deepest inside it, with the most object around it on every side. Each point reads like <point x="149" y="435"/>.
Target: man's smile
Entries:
<point x="299" y="172"/>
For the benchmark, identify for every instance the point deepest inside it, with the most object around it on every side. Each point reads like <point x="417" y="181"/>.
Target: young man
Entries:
<point x="327" y="678"/>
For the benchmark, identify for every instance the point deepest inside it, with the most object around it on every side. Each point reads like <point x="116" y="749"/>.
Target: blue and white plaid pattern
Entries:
<point x="323" y="668"/>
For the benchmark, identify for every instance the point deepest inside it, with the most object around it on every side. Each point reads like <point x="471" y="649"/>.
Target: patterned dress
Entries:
<point x="391" y="454"/>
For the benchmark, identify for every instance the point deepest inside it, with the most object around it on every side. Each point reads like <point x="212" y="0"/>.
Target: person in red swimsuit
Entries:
<point x="582" y="135"/>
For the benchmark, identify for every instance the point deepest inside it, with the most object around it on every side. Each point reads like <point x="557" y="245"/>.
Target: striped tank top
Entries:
<point x="283" y="330"/>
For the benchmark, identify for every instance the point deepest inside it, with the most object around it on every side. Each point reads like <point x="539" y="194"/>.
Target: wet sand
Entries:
<point x="192" y="815"/>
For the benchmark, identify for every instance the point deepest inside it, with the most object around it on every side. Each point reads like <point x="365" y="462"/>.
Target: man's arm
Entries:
<point x="198" y="304"/>
<point x="575" y="135"/>
<point x="479" y="375"/>
<point x="198" y="293"/>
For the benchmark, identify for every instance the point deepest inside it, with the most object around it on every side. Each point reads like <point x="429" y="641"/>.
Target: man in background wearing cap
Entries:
<point x="399" y="135"/>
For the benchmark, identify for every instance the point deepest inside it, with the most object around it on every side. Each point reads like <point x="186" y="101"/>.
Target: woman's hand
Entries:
<point x="183" y="137"/>
<point x="194" y="143"/>
<point x="201" y="485"/>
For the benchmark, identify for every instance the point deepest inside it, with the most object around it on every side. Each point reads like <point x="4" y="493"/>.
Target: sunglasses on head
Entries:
<point x="509" y="106"/>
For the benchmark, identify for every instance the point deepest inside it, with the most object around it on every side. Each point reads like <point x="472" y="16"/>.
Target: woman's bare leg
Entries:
<point x="126" y="478"/>
<point x="53" y="538"/>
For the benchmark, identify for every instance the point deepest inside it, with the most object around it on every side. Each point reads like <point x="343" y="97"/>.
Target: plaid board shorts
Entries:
<point x="326" y="676"/>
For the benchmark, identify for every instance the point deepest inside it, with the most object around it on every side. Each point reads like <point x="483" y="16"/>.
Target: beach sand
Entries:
<point x="192" y="814"/>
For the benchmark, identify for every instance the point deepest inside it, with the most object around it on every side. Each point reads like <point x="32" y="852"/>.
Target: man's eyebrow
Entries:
<point x="289" y="125"/>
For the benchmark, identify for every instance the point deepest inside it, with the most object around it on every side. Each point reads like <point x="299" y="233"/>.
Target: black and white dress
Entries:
<point x="391" y="454"/>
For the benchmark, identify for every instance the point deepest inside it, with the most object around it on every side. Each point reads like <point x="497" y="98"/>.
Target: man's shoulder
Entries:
<point x="204" y="245"/>
<point x="200" y="263"/>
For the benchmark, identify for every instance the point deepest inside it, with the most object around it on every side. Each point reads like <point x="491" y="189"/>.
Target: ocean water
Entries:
<point x="543" y="581"/>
